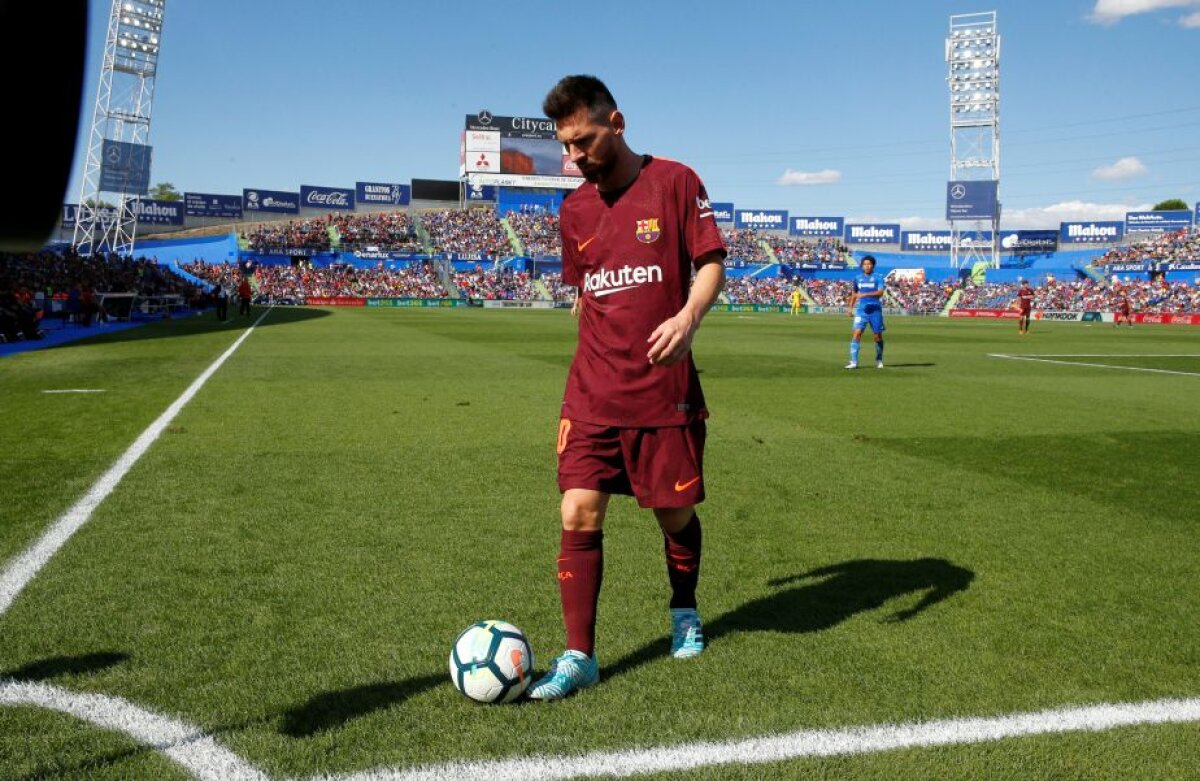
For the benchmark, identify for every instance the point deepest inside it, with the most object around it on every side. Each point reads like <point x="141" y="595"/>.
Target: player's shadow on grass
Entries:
<point x="53" y="667"/>
<point x="910" y="365"/>
<point x="825" y="597"/>
<point x="329" y="710"/>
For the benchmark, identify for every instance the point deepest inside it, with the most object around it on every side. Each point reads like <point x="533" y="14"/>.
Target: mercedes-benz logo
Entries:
<point x="484" y="117"/>
<point x="958" y="191"/>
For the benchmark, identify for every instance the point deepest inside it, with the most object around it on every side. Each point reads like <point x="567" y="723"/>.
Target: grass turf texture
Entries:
<point x="956" y="535"/>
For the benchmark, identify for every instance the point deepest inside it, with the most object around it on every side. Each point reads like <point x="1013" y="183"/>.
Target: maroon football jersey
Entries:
<point x="1025" y="299"/>
<point x="631" y="256"/>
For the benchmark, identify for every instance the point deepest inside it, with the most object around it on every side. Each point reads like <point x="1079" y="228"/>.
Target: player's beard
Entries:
<point x="598" y="171"/>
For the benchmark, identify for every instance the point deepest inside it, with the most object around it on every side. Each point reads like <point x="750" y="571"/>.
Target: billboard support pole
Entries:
<point x="973" y="75"/>
<point x="124" y="99"/>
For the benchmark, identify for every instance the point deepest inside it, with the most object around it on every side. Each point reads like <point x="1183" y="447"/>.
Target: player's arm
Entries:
<point x="853" y="300"/>
<point x="673" y="338"/>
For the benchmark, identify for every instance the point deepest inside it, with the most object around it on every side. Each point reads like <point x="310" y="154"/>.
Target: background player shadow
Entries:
<point x="329" y="710"/>
<point x="910" y="365"/>
<point x="54" y="666"/>
<point x="826" y="597"/>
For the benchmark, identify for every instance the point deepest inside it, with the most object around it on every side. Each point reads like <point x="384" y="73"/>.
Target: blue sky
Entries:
<point x="1100" y="110"/>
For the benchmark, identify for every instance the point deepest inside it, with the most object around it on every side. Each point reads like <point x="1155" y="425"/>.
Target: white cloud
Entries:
<point x="1037" y="217"/>
<point x="1125" y="168"/>
<point x="1113" y="11"/>
<point x="790" y="177"/>
<point x="1068" y="211"/>
<point x="1191" y="20"/>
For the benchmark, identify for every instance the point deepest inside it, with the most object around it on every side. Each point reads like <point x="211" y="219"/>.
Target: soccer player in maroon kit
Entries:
<point x="1024" y="306"/>
<point x="1124" y="309"/>
<point x="633" y="413"/>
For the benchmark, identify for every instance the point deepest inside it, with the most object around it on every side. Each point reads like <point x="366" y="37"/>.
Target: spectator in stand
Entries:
<point x="244" y="295"/>
<point x="221" y="302"/>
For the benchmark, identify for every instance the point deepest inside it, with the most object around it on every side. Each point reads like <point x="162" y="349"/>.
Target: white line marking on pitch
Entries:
<point x="75" y="390"/>
<point x="1102" y="365"/>
<point x="181" y="742"/>
<point x="25" y="567"/>
<point x="203" y="756"/>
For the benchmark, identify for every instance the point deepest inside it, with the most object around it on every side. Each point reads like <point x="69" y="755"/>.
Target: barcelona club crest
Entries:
<point x="648" y="230"/>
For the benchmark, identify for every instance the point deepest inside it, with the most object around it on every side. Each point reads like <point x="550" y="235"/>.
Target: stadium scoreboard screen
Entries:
<point x="514" y="152"/>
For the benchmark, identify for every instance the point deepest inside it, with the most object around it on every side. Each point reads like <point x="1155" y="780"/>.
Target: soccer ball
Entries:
<point x="491" y="661"/>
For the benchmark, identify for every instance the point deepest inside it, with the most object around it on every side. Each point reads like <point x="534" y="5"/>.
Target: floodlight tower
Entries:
<point x="973" y="60"/>
<point x="118" y="157"/>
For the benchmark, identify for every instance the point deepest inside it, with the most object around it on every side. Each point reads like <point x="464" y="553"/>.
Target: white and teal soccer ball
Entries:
<point x="491" y="661"/>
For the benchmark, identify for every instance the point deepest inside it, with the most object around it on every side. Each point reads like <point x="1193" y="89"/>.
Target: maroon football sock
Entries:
<point x="683" y="563"/>
<point x="580" y="570"/>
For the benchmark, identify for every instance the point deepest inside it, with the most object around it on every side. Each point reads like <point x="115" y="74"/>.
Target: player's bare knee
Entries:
<point x="673" y="519"/>
<point x="582" y="513"/>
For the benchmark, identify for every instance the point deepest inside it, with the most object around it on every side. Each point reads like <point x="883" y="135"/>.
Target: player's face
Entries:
<point x="868" y="266"/>
<point x="591" y="144"/>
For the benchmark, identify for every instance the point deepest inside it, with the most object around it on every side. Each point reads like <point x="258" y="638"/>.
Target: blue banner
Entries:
<point x="69" y="211"/>
<point x="723" y="212"/>
<point x="124" y="168"/>
<point x="925" y="241"/>
<point x="1101" y="232"/>
<point x="382" y="193"/>
<point x="817" y="226"/>
<point x="1029" y="242"/>
<point x="210" y="205"/>
<point x="872" y="233"/>
<point x="972" y="200"/>
<point x="481" y="192"/>
<point x="270" y="201"/>
<point x="1155" y="222"/>
<point x="314" y="197"/>
<point x="150" y="212"/>
<point x="761" y="219"/>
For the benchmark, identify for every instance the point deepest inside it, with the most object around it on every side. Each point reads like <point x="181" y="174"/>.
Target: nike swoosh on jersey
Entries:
<point x="582" y="245"/>
<point x="684" y="486"/>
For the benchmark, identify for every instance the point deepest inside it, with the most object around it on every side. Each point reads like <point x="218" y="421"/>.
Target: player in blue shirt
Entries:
<point x="866" y="307"/>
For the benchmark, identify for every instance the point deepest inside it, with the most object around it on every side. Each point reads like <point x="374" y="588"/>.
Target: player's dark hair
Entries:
<point x="574" y="92"/>
<point x="866" y="258"/>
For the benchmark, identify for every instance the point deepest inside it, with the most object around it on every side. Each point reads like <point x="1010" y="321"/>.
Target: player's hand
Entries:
<point x="671" y="340"/>
<point x="576" y="305"/>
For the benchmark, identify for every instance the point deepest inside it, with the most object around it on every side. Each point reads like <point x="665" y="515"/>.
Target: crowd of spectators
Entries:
<point x="538" y="232"/>
<point x="559" y="291"/>
<point x="793" y="251"/>
<point x="1157" y="297"/>
<point x="743" y="244"/>
<point x="919" y="296"/>
<point x="1177" y="245"/>
<point x="465" y="232"/>
<point x="495" y="284"/>
<point x="384" y="231"/>
<point x="756" y="290"/>
<point x="69" y="285"/>
<point x="312" y="233"/>
<point x="286" y="284"/>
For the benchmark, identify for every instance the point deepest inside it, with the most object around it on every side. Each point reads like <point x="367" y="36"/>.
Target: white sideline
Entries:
<point x="207" y="759"/>
<point x="1040" y="359"/>
<point x="180" y="742"/>
<point x="799" y="745"/>
<point x="24" y="567"/>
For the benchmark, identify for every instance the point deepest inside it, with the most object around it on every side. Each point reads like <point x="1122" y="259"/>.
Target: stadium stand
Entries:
<point x="467" y="232"/>
<point x="296" y="284"/>
<point x="1181" y="245"/>
<point x="538" y="233"/>
<point x="387" y="231"/>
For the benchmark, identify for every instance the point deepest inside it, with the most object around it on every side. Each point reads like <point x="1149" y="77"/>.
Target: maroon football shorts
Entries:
<point x="662" y="467"/>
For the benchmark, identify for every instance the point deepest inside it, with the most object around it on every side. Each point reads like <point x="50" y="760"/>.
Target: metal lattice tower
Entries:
<point x="973" y="61"/>
<point x="124" y="100"/>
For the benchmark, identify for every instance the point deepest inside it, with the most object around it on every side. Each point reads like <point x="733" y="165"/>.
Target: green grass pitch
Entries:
<point x="955" y="535"/>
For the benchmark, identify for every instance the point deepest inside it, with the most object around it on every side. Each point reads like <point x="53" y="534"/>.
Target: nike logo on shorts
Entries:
<point x="684" y="486"/>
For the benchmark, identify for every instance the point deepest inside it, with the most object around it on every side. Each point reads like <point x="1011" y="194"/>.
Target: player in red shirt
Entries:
<point x="1024" y="306"/>
<point x="633" y="412"/>
<point x="1124" y="309"/>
